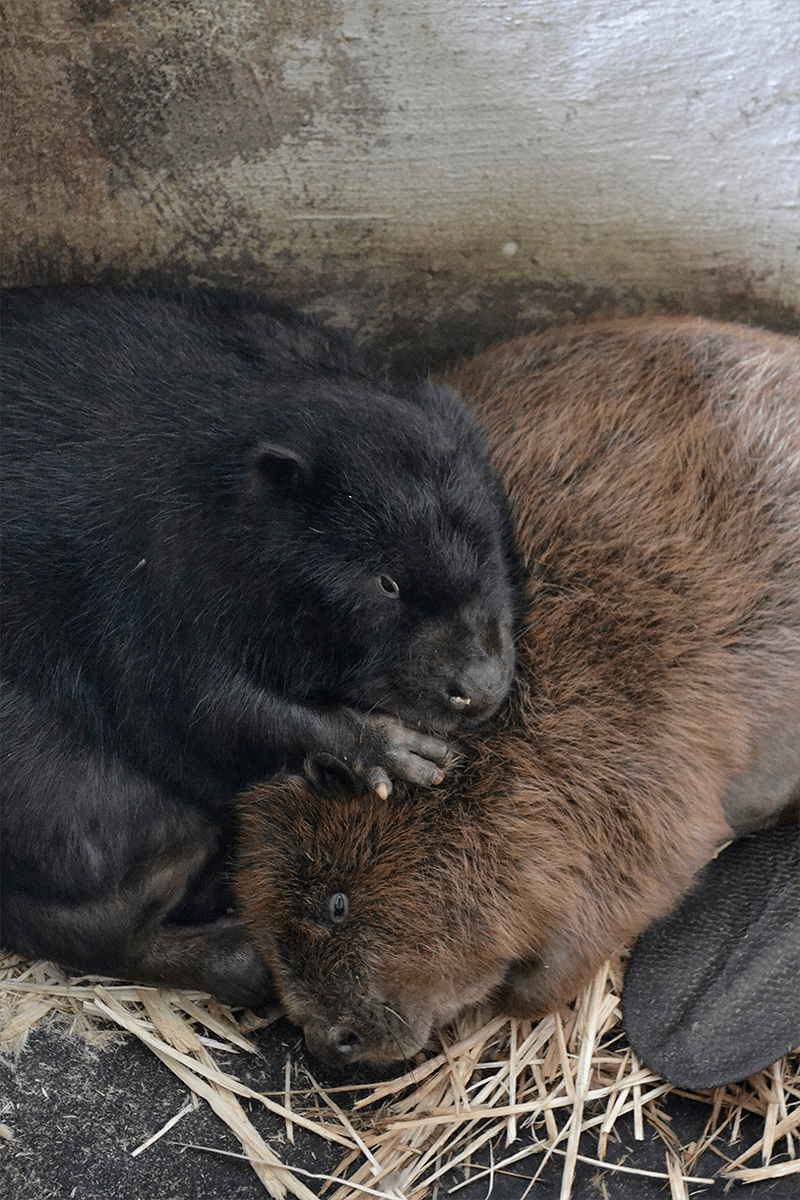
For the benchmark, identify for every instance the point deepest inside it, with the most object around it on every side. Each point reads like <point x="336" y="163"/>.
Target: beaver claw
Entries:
<point x="378" y="749"/>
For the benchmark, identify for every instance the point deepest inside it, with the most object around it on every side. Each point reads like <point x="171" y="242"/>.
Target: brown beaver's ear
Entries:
<point x="330" y="776"/>
<point x="275" y="467"/>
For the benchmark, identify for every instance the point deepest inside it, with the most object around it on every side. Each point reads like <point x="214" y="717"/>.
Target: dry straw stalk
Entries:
<point x="518" y="1092"/>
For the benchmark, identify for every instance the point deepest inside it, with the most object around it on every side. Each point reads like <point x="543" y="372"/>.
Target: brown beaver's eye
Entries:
<point x="388" y="587"/>
<point x="337" y="907"/>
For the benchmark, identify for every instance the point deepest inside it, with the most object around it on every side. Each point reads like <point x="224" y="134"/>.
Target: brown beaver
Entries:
<point x="653" y="470"/>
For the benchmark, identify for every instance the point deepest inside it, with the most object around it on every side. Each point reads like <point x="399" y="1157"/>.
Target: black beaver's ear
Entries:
<point x="330" y="776"/>
<point x="275" y="467"/>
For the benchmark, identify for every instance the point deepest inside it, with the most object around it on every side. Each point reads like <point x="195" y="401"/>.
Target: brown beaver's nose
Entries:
<point x="345" y="1041"/>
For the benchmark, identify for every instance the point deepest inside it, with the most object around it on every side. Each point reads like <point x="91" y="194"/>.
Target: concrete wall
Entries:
<point x="433" y="174"/>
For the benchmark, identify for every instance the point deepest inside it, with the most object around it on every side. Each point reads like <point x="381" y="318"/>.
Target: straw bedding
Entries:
<point x="528" y="1091"/>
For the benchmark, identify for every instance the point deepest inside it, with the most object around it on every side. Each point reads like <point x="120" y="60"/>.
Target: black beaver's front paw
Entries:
<point x="378" y="749"/>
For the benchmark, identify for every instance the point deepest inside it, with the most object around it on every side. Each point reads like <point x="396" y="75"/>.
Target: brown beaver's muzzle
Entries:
<point x="376" y="1033"/>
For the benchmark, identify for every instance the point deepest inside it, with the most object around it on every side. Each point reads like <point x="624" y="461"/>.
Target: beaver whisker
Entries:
<point x="396" y="1014"/>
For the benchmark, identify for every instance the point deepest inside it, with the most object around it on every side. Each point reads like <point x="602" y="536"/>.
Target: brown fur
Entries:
<point x="653" y="470"/>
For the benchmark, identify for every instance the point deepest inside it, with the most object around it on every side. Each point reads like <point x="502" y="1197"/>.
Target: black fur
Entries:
<point x="228" y="549"/>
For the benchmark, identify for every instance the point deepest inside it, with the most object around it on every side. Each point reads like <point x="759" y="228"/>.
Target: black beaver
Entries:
<point x="229" y="549"/>
<point x="653" y="471"/>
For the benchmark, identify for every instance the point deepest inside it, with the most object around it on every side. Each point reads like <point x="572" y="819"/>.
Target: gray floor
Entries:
<point x="76" y="1113"/>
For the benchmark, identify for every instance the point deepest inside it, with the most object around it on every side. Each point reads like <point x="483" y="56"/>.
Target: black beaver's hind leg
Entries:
<point x="711" y="992"/>
<point x="124" y="931"/>
<point x="218" y="958"/>
<point x="104" y="872"/>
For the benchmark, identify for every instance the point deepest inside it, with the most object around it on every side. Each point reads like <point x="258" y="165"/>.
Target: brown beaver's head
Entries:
<point x="377" y="918"/>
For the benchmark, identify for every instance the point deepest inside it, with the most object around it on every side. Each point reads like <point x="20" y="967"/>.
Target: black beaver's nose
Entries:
<point x="345" y="1041"/>
<point x="480" y="687"/>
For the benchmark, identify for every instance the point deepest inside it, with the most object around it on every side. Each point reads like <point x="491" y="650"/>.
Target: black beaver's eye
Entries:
<point x="337" y="907"/>
<point x="388" y="586"/>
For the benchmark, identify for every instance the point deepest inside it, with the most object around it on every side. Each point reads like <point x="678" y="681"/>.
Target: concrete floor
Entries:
<point x="76" y="1113"/>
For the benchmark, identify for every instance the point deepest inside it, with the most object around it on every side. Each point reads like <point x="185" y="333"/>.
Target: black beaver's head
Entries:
<point x="375" y="543"/>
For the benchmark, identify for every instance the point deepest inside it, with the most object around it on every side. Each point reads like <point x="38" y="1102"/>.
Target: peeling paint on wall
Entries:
<point x="475" y="166"/>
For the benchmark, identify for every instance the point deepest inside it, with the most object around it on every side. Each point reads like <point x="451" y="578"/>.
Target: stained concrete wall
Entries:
<point x="433" y="174"/>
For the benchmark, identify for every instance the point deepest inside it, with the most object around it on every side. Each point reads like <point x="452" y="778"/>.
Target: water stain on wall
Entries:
<point x="428" y="177"/>
<point x="174" y="87"/>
